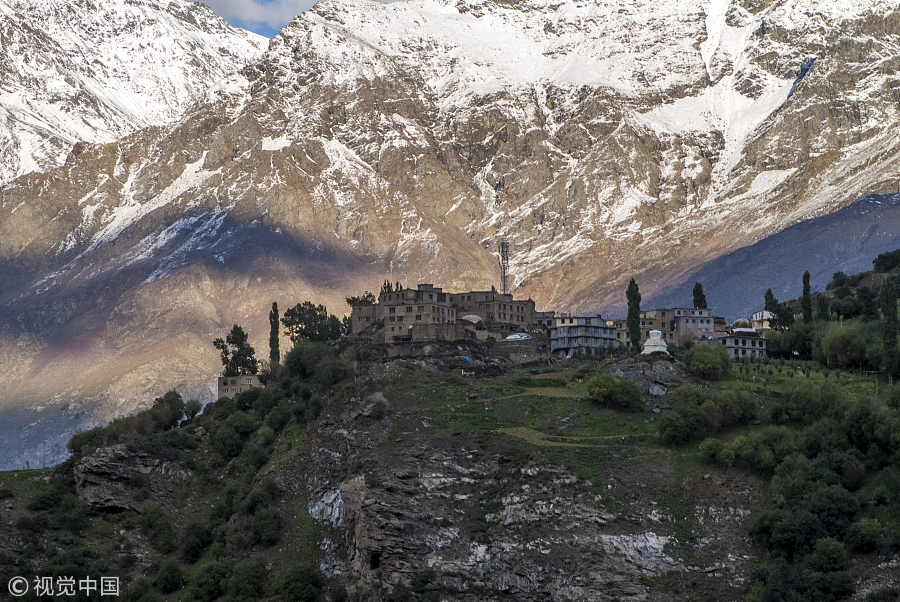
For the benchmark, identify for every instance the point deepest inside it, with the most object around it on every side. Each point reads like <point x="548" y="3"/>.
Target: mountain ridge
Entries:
<point x="374" y="140"/>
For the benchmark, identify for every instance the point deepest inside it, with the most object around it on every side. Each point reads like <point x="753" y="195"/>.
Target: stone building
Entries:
<point x="229" y="386"/>
<point x="400" y="309"/>
<point x="429" y="305"/>
<point x="494" y="307"/>
<point x="580" y="334"/>
<point x="363" y="316"/>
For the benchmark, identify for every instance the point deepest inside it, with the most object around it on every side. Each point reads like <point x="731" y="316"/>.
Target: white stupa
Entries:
<point x="654" y="343"/>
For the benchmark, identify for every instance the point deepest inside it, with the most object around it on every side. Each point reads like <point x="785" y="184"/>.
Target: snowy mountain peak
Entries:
<point x="96" y="71"/>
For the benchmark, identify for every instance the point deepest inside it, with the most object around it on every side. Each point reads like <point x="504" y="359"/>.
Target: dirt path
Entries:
<point x="538" y="438"/>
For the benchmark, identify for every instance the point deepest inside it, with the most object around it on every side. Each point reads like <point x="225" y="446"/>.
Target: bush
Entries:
<point x="141" y="590"/>
<point x="197" y="536"/>
<point x="303" y="583"/>
<point x="279" y="417"/>
<point x="208" y="585"/>
<point x="247" y="579"/>
<point x="158" y="528"/>
<point x="169" y="578"/>
<point x="267" y="525"/>
<point x="865" y="535"/>
<point x="826" y="576"/>
<point x="619" y="393"/>
<point x="226" y="442"/>
<point x="884" y="594"/>
<point x="707" y="362"/>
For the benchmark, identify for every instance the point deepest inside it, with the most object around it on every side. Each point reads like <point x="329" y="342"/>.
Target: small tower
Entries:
<point x="504" y="266"/>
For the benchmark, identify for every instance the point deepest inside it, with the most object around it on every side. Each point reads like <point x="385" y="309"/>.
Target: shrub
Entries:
<point x="169" y="578"/>
<point x="247" y="579"/>
<point x="157" y="528"/>
<point x="884" y="594"/>
<point x="197" y="536"/>
<point x="836" y="507"/>
<point x="826" y="576"/>
<point x="865" y="535"/>
<point x="208" y="585"/>
<point x="267" y="525"/>
<point x="303" y="583"/>
<point x="279" y="417"/>
<point x="619" y="393"/>
<point x="141" y="590"/>
<point x="226" y="442"/>
<point x="707" y="362"/>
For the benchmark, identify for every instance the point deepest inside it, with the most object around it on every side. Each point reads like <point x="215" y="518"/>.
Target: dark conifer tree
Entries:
<point x="699" y="297"/>
<point x="806" y="302"/>
<point x="633" y="321"/>
<point x="274" y="346"/>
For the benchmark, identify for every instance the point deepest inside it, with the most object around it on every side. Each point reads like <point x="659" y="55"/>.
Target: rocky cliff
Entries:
<point x="405" y="140"/>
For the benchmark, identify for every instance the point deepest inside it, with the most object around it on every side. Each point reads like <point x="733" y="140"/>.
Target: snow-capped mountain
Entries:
<point x="87" y="71"/>
<point x="603" y="140"/>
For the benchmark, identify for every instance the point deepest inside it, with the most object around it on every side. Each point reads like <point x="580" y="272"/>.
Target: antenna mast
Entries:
<point x="504" y="266"/>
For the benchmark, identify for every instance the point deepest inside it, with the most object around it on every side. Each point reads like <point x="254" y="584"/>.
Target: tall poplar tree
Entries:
<point x="806" y="301"/>
<point x="633" y="321"/>
<point x="274" y="345"/>
<point x="699" y="297"/>
<point x="889" y="325"/>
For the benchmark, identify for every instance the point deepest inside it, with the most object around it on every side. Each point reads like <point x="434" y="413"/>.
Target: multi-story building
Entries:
<point x="760" y="320"/>
<point x="494" y="307"/>
<point x="580" y="334"/>
<point x="400" y="309"/>
<point x="745" y="342"/>
<point x="543" y="320"/>
<point x="363" y="316"/>
<point x="677" y="324"/>
<point x="229" y="386"/>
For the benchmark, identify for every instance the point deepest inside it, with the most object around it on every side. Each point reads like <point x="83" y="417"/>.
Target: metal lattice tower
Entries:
<point x="504" y="266"/>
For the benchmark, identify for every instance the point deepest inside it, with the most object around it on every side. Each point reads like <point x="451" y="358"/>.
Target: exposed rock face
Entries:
<point x="100" y="478"/>
<point x="404" y="140"/>
<point x="477" y="524"/>
<point x="656" y="375"/>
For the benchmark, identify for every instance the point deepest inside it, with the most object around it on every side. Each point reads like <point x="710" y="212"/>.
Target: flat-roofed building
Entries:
<point x="363" y="316"/>
<point x="229" y="386"/>
<point x="494" y="307"/>
<point x="580" y="334"/>
<point x="400" y="309"/>
<point x="745" y="342"/>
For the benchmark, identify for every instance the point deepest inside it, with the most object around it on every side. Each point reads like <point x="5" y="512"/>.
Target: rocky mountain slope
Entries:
<point x="846" y="240"/>
<point x="405" y="140"/>
<point x="93" y="72"/>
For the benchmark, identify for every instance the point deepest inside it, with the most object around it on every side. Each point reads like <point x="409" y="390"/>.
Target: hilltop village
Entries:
<point x="427" y="313"/>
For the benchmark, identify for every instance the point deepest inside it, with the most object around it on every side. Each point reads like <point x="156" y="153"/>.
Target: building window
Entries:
<point x="430" y="297"/>
<point x="249" y="381"/>
<point x="409" y="309"/>
<point x="392" y="319"/>
<point x="392" y="310"/>
<point x="399" y="318"/>
<point x="367" y="318"/>
<point x="421" y="308"/>
<point x="418" y="318"/>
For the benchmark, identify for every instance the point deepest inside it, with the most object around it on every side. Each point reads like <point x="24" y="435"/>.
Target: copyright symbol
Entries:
<point x="18" y="586"/>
